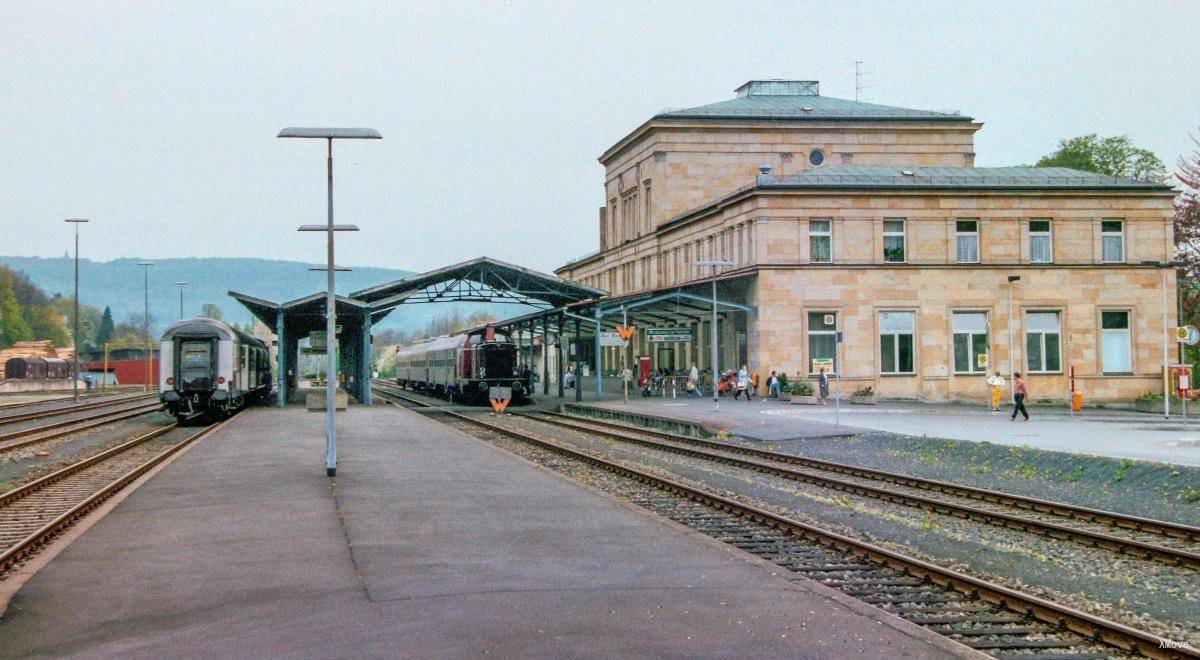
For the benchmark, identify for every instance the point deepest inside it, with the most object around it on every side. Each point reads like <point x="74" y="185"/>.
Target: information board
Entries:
<point x="668" y="334"/>
<point x="612" y="339"/>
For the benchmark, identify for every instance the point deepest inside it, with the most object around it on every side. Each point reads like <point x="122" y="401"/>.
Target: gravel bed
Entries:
<point x="1145" y="594"/>
<point x="24" y="465"/>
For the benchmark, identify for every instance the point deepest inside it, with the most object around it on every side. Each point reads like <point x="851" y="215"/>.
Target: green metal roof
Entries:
<point x="803" y="107"/>
<point x="966" y="178"/>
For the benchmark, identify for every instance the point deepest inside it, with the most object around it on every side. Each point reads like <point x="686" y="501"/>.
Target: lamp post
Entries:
<point x="1012" y="349"/>
<point x="181" y="285"/>
<point x="715" y="263"/>
<point x="146" y="314"/>
<point x="329" y="135"/>
<point x="1166" y="333"/>
<point x="75" y="335"/>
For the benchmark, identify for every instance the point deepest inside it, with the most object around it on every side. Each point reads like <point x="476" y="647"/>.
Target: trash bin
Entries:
<point x="1076" y="401"/>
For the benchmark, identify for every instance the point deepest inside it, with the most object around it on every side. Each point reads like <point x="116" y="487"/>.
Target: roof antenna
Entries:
<point x="858" y="76"/>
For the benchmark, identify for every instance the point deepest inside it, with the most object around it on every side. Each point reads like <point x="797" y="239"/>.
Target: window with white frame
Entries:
<point x="896" y="342"/>
<point x="1043" y="342"/>
<point x="822" y="341"/>
<point x="1112" y="236"/>
<point x="893" y="241"/>
<point x="1115" y="347"/>
<point x="970" y="342"/>
<point x="1041" y="244"/>
<point x="966" y="234"/>
<point x="820" y="241"/>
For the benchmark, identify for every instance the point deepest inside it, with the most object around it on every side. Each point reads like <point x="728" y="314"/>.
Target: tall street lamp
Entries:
<point x="329" y="135"/>
<point x="1012" y="349"/>
<point x="715" y="263"/>
<point x="181" y="285"/>
<point x="1166" y="332"/>
<point x="75" y="336"/>
<point x="146" y="314"/>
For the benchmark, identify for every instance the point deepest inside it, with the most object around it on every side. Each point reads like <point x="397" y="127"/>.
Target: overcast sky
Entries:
<point x="157" y="121"/>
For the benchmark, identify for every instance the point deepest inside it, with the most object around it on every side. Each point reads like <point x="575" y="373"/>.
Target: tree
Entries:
<point x="104" y="333"/>
<point x="13" y="327"/>
<point x="1115" y="155"/>
<point x="1187" y="234"/>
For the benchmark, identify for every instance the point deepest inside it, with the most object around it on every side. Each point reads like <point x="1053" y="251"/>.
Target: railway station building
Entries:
<point x="871" y="223"/>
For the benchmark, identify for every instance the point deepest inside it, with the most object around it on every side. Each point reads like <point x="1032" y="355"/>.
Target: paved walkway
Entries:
<point x="429" y="543"/>
<point x="1120" y="434"/>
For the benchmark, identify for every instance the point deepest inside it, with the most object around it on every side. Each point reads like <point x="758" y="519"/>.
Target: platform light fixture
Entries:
<point x="146" y="315"/>
<point x="1012" y="380"/>
<point x="329" y="135"/>
<point x="75" y="336"/>
<point x="1165" y="266"/>
<point x="715" y="264"/>
<point x="181" y="285"/>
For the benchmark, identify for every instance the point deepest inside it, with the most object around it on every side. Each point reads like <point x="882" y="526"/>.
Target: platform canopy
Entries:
<point x="302" y="314"/>
<point x="479" y="280"/>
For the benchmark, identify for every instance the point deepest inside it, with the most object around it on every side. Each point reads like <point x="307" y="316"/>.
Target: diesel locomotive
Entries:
<point x="462" y="367"/>
<point x="208" y="369"/>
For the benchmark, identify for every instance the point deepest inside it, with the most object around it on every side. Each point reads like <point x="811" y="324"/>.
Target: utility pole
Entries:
<point x="146" y="315"/>
<point x="75" y="366"/>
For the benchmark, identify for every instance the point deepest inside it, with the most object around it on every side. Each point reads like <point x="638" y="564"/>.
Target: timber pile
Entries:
<point x="27" y="349"/>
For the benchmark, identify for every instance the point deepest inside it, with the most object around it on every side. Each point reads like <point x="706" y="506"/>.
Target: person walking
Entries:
<point x="743" y="383"/>
<point x="1020" y="391"/>
<point x="694" y="379"/>
<point x="997" y="384"/>
<point x="823" y="385"/>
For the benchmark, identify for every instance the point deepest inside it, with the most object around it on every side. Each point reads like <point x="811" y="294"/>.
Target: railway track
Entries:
<point x="988" y="617"/>
<point x="33" y="435"/>
<point x="1167" y="542"/>
<point x="64" y="397"/>
<point x="33" y="514"/>
<point x="73" y="408"/>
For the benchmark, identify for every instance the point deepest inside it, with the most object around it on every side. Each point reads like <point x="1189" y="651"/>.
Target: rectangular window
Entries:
<point x="1112" y="234"/>
<point x="647" y="225"/>
<point x="1115" y="342"/>
<point x="893" y="241"/>
<point x="820" y="241"/>
<point x="970" y="342"/>
<point x="1041" y="246"/>
<point x="896" y="342"/>
<point x="822" y="341"/>
<point x="967" y="239"/>
<point x="1043" y="342"/>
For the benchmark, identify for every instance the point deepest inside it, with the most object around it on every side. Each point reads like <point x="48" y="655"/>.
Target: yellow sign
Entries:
<point x="625" y="332"/>
<point x="982" y="360"/>
<point x="822" y="363"/>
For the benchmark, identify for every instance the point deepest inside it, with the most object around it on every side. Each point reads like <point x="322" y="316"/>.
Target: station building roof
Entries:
<point x="800" y="100"/>
<point x="956" y="178"/>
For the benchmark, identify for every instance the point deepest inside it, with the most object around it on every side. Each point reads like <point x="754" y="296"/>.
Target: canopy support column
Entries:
<point x="281" y="358"/>
<point x="545" y="357"/>
<point x="365" y="367"/>
<point x="599" y="384"/>
<point x="578" y="373"/>
<point x="558" y="337"/>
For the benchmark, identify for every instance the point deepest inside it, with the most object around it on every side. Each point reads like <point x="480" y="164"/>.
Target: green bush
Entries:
<point x="801" y="388"/>
<point x="783" y="382"/>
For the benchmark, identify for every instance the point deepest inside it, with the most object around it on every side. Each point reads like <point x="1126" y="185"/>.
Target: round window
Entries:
<point x="816" y="157"/>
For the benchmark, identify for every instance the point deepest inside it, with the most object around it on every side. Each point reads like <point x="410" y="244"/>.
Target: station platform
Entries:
<point x="428" y="543"/>
<point x="1098" y="432"/>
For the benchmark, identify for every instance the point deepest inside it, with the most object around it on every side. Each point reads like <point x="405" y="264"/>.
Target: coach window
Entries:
<point x="896" y="342"/>
<point x="822" y="341"/>
<point x="893" y="241"/>
<point x="1041" y="245"/>
<point x="970" y="342"/>
<point x="967" y="240"/>
<point x="1115" y="342"/>
<point x="1043" y="342"/>
<point x="1112" y="234"/>
<point x="820" y="241"/>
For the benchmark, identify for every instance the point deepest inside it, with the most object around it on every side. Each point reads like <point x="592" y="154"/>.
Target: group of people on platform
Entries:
<point x="745" y="382"/>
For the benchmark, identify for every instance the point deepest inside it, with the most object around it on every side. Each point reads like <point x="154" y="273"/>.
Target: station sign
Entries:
<point x="612" y="339"/>
<point x="819" y="363"/>
<point x="317" y="337"/>
<point x="668" y="334"/>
